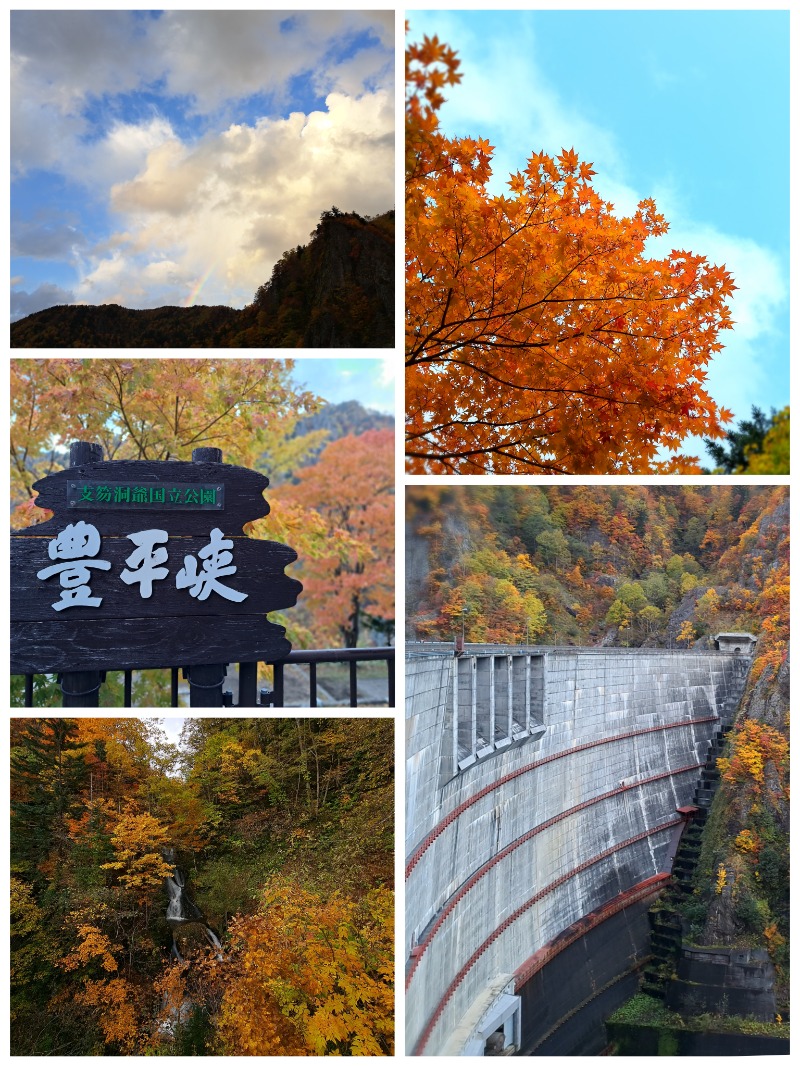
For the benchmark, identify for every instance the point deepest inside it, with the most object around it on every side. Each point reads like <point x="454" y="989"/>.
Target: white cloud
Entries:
<point x="240" y="198"/>
<point x="739" y="374"/>
<point x="62" y="60"/>
<point x="237" y="197"/>
<point x="121" y="152"/>
<point x="214" y="56"/>
<point x="505" y="97"/>
<point x="388" y="372"/>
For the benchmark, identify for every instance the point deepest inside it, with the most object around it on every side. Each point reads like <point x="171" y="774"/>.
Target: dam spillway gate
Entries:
<point x="542" y="796"/>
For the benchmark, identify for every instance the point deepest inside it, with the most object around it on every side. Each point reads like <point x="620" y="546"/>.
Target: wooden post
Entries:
<point x="205" y="682"/>
<point x="248" y="684"/>
<point x="82" y="688"/>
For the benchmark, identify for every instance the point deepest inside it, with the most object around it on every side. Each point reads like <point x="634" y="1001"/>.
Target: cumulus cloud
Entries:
<point x="214" y="56"/>
<point x="65" y="60"/>
<point x="240" y="198"/>
<point x="26" y="303"/>
<point x="105" y="100"/>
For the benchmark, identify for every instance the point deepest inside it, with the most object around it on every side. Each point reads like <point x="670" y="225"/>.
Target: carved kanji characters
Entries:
<point x="75" y="546"/>
<point x="215" y="565"/>
<point x="145" y="561"/>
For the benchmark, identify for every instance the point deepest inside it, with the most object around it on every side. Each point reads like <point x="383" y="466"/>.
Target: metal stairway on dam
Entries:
<point x="666" y="935"/>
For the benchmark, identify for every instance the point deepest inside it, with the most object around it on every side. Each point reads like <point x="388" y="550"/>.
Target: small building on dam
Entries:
<point x="544" y="789"/>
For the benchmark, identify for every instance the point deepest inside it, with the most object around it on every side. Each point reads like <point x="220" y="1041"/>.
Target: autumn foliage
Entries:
<point x="753" y="747"/>
<point x="540" y="336"/>
<point x="309" y="976"/>
<point x="581" y="564"/>
<point x="331" y="500"/>
<point x="349" y="581"/>
<point x="282" y="829"/>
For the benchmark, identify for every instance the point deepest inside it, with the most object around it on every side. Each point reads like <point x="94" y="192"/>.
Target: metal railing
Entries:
<point x="245" y="682"/>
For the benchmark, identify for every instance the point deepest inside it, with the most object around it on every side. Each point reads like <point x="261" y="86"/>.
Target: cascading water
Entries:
<point x="175" y="892"/>
<point x="182" y="911"/>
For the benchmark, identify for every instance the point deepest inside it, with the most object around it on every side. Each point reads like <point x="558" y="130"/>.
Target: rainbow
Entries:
<point x="196" y="290"/>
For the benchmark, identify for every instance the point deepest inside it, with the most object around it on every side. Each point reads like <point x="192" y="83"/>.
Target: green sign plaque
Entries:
<point x="130" y="496"/>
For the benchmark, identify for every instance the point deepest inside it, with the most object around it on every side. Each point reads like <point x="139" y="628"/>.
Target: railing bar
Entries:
<point x="248" y="698"/>
<point x="339" y="655"/>
<point x="277" y="684"/>
<point x="390" y="671"/>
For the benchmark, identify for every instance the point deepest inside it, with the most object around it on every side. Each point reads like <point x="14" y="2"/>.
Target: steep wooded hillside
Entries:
<point x="234" y="898"/>
<point x="335" y="292"/>
<point x="593" y="565"/>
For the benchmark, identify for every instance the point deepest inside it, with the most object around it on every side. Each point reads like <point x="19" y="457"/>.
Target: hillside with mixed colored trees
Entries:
<point x="644" y="566"/>
<point x="335" y="292"/>
<point x="233" y="897"/>
<point x="594" y="565"/>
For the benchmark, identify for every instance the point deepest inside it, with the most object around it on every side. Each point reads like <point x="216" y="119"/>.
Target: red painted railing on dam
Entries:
<point x="423" y="846"/>
<point x="420" y="949"/>
<point x="431" y="1024"/>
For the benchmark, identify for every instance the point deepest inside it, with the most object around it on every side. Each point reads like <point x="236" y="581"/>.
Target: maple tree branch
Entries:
<point x="494" y="450"/>
<point x="571" y="390"/>
<point x="441" y="426"/>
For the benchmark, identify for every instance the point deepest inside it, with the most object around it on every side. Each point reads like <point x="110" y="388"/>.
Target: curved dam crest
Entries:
<point x="542" y="786"/>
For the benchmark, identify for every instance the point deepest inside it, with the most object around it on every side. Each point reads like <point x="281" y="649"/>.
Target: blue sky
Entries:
<point x="172" y="157"/>
<point x="370" y="381"/>
<point x="688" y="107"/>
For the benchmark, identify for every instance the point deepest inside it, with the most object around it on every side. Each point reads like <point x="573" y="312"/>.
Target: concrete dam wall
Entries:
<point x="542" y="786"/>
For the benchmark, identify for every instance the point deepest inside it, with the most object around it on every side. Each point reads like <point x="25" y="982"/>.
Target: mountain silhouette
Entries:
<point x="335" y="292"/>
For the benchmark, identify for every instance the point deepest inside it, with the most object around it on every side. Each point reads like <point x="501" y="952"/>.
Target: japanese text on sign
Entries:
<point x="160" y="496"/>
<point x="77" y="546"/>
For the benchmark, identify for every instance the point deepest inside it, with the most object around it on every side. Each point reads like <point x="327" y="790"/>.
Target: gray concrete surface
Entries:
<point x="629" y="722"/>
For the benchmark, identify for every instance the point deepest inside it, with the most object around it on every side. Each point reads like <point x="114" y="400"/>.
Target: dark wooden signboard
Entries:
<point x="145" y="564"/>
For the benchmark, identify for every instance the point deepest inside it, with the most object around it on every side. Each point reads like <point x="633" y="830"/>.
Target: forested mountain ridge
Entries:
<point x="335" y="292"/>
<point x="338" y="292"/>
<point x="349" y="418"/>
<point x="281" y="831"/>
<point x="593" y="565"/>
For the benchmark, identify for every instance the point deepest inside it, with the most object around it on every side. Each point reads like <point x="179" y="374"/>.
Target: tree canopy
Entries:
<point x="540" y="336"/>
<point x="332" y="501"/>
<point x="757" y="445"/>
<point x="283" y="831"/>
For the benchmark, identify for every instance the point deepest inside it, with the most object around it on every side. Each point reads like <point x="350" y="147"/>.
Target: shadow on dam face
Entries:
<point x="542" y="792"/>
<point x="565" y="1004"/>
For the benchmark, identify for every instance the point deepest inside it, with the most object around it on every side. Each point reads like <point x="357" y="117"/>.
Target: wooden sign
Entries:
<point x="144" y="564"/>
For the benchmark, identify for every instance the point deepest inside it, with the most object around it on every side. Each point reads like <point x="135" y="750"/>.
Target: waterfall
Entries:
<point x="213" y="940"/>
<point x="181" y="910"/>
<point x="175" y="892"/>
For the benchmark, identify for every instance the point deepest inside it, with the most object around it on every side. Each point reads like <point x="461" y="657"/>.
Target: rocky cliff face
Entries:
<point x="336" y="292"/>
